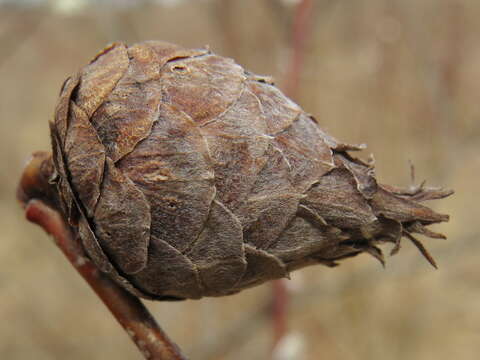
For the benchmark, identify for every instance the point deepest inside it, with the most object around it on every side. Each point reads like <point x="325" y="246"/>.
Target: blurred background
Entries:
<point x="402" y="76"/>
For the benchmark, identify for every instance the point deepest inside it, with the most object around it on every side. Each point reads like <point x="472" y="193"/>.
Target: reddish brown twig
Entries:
<point x="126" y="308"/>
<point x="279" y="311"/>
<point x="300" y="33"/>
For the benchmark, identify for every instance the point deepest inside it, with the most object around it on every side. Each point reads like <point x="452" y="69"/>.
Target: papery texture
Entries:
<point x="188" y="176"/>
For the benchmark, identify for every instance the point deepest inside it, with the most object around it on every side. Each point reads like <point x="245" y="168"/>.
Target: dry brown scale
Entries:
<point x="188" y="176"/>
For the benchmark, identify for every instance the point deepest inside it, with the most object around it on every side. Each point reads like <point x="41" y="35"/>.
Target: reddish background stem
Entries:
<point x="301" y="30"/>
<point x="280" y="302"/>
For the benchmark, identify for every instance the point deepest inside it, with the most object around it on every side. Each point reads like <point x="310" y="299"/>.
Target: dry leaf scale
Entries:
<point x="188" y="176"/>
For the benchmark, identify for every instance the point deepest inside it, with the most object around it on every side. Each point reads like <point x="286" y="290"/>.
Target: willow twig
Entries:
<point x="126" y="308"/>
<point x="279" y="309"/>
<point x="300" y="32"/>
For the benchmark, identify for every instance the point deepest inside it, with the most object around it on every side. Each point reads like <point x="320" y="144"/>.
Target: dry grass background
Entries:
<point x="401" y="75"/>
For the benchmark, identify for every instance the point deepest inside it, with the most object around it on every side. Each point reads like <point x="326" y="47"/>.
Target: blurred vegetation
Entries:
<point x="402" y="76"/>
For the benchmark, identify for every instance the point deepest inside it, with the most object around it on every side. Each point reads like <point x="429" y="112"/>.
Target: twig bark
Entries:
<point x="279" y="309"/>
<point x="301" y="30"/>
<point x="126" y="308"/>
